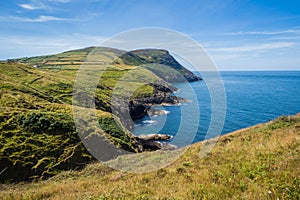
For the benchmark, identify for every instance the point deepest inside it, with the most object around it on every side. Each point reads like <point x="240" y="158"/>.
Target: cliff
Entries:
<point x="38" y="134"/>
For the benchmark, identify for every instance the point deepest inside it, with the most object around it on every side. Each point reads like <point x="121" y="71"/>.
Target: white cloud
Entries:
<point x="40" y="5"/>
<point x="28" y="6"/>
<point x="255" y="47"/>
<point x="265" y="32"/>
<point x="42" y="18"/>
<point x="34" y="6"/>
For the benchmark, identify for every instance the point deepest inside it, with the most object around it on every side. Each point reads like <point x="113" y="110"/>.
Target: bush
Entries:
<point x="39" y="144"/>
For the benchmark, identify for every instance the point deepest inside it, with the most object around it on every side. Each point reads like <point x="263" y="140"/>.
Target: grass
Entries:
<point x="38" y="136"/>
<point x="261" y="162"/>
<point x="37" y="132"/>
<point x="36" y="124"/>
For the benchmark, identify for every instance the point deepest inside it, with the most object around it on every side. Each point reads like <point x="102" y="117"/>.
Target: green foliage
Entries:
<point x="34" y="144"/>
<point x="38" y="144"/>
<point x="37" y="133"/>
<point x="110" y="126"/>
<point x="132" y="59"/>
<point x="283" y="121"/>
<point x="52" y="123"/>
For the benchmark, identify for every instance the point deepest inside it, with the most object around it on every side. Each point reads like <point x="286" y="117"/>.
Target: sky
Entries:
<point x="237" y="34"/>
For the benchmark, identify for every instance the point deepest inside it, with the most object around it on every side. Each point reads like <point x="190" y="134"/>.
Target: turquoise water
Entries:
<point x="251" y="98"/>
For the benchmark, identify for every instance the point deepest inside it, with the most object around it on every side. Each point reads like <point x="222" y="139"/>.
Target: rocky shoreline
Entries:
<point x="141" y="107"/>
<point x="163" y="96"/>
<point x="131" y="110"/>
<point x="153" y="142"/>
<point x="134" y="109"/>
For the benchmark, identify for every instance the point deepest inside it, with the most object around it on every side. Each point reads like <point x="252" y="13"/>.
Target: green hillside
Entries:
<point x="156" y="59"/>
<point x="38" y="135"/>
<point x="261" y="162"/>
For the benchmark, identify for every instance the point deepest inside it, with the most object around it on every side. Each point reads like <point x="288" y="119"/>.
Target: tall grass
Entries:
<point x="260" y="162"/>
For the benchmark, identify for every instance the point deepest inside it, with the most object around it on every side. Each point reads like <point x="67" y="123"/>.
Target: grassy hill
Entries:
<point x="38" y="135"/>
<point x="157" y="58"/>
<point x="261" y="162"/>
<point x="37" y="131"/>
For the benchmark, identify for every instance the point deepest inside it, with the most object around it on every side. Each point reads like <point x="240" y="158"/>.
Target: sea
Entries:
<point x="252" y="97"/>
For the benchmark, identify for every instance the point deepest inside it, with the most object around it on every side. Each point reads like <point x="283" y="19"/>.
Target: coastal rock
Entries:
<point x="150" y="146"/>
<point x="153" y="142"/>
<point x="155" y="137"/>
<point x="130" y="110"/>
<point x="162" y="94"/>
<point x="153" y="111"/>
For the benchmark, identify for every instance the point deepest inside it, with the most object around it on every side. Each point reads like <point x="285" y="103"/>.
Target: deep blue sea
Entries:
<point x="252" y="97"/>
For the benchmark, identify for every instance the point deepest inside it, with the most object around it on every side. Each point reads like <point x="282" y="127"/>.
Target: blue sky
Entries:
<point x="237" y="34"/>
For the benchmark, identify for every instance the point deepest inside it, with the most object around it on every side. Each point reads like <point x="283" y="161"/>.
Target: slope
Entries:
<point x="261" y="162"/>
<point x="161" y="63"/>
<point x="38" y="135"/>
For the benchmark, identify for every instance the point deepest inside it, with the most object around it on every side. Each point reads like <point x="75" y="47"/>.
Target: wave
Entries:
<point x="167" y="145"/>
<point x="165" y="112"/>
<point x="149" y="121"/>
<point x="170" y="104"/>
<point x="177" y="91"/>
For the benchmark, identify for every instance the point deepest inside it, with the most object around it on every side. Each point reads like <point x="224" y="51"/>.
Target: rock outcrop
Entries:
<point x="129" y="110"/>
<point x="153" y="142"/>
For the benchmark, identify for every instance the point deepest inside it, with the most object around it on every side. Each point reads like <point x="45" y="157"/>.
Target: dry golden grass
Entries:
<point x="260" y="162"/>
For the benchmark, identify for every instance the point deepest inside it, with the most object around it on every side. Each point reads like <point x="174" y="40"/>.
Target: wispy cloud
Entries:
<point x="42" y="18"/>
<point x="41" y="5"/>
<point x="256" y="47"/>
<point x="265" y="32"/>
<point x="34" y="6"/>
<point x="286" y="38"/>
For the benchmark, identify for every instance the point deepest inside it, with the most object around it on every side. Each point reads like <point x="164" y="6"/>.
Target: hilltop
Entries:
<point x="152" y="59"/>
<point x="38" y="134"/>
<point x="261" y="162"/>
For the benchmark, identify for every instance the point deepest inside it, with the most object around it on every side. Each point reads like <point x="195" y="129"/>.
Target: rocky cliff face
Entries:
<point x="129" y="110"/>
